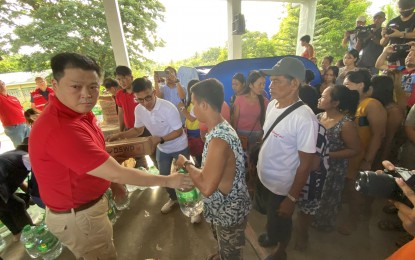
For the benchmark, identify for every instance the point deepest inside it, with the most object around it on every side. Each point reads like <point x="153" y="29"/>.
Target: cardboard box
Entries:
<point x="108" y="130"/>
<point x="128" y="148"/>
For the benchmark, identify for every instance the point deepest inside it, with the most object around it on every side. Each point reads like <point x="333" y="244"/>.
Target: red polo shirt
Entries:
<point x="11" y="111"/>
<point x="40" y="98"/>
<point x="126" y="101"/>
<point x="63" y="146"/>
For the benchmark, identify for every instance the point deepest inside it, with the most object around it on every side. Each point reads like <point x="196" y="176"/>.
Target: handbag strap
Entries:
<point x="281" y="117"/>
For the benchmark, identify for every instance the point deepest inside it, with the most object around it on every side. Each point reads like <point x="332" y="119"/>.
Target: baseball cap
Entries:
<point x="287" y="66"/>
<point x="361" y="19"/>
<point x="381" y="14"/>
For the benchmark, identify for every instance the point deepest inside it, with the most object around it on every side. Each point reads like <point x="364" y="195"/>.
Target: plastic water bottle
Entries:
<point x="112" y="211"/>
<point x="29" y="241"/>
<point x="153" y="170"/>
<point x="190" y="200"/>
<point x="48" y="246"/>
<point x="122" y="201"/>
<point x="2" y="244"/>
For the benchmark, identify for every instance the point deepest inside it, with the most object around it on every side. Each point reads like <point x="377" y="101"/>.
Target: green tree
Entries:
<point x="286" y="39"/>
<point x="10" y="64"/>
<point x="257" y="44"/>
<point x="52" y="26"/>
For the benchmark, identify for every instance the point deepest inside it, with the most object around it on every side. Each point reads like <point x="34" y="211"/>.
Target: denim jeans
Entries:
<point x="164" y="161"/>
<point x="17" y="133"/>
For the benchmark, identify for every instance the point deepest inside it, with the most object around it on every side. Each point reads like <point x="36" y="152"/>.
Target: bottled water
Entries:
<point x="190" y="200"/>
<point x="29" y="241"/>
<point x="48" y="246"/>
<point x="122" y="200"/>
<point x="112" y="211"/>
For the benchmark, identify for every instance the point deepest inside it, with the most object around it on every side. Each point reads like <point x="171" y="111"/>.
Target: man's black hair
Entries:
<point x="110" y="83"/>
<point x="172" y="69"/>
<point x="123" y="71"/>
<point x="306" y="38"/>
<point x="141" y="84"/>
<point x="210" y="90"/>
<point x="71" y="60"/>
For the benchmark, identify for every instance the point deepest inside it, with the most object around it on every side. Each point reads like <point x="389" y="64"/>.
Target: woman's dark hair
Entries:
<point x="189" y="93"/>
<point x="355" y="54"/>
<point x="309" y="76"/>
<point x="348" y="99"/>
<point x="306" y="38"/>
<point x="253" y="76"/>
<point x="382" y="89"/>
<point x="335" y="70"/>
<point x="241" y="78"/>
<point x="28" y="113"/>
<point x="360" y="76"/>
<point x="329" y="58"/>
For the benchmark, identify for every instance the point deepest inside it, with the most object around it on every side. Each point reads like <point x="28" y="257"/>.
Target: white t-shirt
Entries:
<point x="162" y="120"/>
<point x="278" y="159"/>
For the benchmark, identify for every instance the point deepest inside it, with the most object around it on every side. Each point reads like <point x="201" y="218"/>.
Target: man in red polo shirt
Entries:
<point x="12" y="116"/>
<point x="126" y="107"/>
<point x="72" y="168"/>
<point x="40" y="96"/>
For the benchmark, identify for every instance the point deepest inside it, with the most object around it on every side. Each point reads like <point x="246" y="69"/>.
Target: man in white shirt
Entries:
<point x="162" y="119"/>
<point x="286" y="156"/>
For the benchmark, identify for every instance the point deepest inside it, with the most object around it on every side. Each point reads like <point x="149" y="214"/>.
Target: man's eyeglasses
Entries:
<point x="141" y="100"/>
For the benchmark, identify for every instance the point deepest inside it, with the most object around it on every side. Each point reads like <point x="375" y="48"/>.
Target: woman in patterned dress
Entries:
<point x="339" y="104"/>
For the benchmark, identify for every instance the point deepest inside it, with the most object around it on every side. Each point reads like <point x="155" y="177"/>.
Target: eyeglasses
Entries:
<point x="141" y="100"/>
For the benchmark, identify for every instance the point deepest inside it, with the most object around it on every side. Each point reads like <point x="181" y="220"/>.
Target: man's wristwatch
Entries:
<point x="162" y="140"/>
<point x="187" y="163"/>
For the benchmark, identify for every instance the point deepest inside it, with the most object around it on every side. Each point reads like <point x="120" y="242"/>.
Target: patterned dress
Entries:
<point x="232" y="209"/>
<point x="333" y="187"/>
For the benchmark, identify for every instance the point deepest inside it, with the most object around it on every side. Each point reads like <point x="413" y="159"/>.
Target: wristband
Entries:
<point x="290" y="197"/>
<point x="162" y="140"/>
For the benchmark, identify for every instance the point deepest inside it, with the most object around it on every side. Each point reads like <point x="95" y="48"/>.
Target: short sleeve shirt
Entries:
<point x="126" y="101"/>
<point x="249" y="114"/>
<point x="162" y="120"/>
<point x="278" y="158"/>
<point x="64" y="146"/>
<point x="171" y="94"/>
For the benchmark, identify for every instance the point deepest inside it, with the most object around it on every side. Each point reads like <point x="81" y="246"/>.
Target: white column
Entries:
<point x="112" y="14"/>
<point x="234" y="41"/>
<point x="306" y="22"/>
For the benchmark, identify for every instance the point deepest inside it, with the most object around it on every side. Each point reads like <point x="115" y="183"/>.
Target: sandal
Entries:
<point x="390" y="225"/>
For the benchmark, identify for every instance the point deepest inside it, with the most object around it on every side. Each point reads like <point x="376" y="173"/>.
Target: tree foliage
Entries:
<point x="52" y="26"/>
<point x="10" y="64"/>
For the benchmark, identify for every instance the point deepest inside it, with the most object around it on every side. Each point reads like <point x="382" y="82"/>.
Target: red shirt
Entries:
<point x="40" y="98"/>
<point x="63" y="146"/>
<point x="126" y="101"/>
<point x="11" y="111"/>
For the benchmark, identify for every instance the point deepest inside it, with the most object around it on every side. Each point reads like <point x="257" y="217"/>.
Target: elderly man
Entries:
<point x="40" y="96"/>
<point x="71" y="165"/>
<point x="287" y="153"/>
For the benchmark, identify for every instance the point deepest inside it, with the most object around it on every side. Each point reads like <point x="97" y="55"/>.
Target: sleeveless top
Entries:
<point x="231" y="209"/>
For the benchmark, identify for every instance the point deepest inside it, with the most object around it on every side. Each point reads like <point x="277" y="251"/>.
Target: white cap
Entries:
<point x="361" y="19"/>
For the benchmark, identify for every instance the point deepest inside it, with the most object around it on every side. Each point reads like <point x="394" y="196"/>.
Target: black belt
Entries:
<point x="80" y="208"/>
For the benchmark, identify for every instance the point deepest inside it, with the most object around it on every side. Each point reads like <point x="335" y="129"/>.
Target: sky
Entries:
<point x="192" y="26"/>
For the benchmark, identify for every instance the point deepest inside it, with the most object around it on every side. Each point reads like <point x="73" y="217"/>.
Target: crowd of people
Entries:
<point x="302" y="148"/>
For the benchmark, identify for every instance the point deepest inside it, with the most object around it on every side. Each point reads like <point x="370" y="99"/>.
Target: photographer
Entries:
<point x="406" y="214"/>
<point x="369" y="43"/>
<point x="400" y="30"/>
<point x="350" y="37"/>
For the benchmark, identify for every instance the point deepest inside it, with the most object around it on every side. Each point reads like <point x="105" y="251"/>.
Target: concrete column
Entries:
<point x="112" y="14"/>
<point x="234" y="41"/>
<point x="306" y="22"/>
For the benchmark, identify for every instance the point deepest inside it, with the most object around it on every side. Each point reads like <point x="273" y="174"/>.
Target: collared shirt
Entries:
<point x="11" y="111"/>
<point x="126" y="101"/>
<point x="40" y="98"/>
<point x="64" y="146"/>
<point x="163" y="119"/>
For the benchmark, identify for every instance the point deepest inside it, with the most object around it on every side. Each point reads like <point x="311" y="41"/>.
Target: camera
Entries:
<point x="401" y="47"/>
<point x="390" y="28"/>
<point x="384" y="185"/>
<point x="361" y="29"/>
